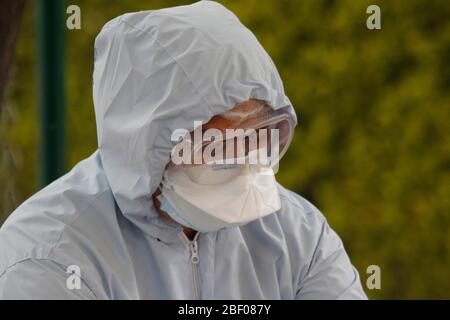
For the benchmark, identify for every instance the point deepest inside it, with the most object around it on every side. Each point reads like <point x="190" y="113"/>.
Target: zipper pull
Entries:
<point x="194" y="253"/>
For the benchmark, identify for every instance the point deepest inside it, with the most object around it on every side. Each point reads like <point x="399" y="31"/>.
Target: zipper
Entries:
<point x="193" y="247"/>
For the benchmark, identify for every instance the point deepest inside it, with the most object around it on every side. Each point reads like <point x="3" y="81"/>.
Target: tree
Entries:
<point x="10" y="16"/>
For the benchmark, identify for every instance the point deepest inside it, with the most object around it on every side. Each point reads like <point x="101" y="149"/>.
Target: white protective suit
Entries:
<point x="156" y="71"/>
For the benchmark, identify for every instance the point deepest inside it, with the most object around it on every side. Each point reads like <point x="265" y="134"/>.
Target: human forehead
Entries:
<point x="234" y="117"/>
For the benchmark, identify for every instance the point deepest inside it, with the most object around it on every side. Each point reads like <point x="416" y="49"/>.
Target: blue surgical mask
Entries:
<point x="167" y="207"/>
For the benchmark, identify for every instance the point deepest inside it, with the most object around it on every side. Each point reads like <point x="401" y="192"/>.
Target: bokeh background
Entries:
<point x="372" y="149"/>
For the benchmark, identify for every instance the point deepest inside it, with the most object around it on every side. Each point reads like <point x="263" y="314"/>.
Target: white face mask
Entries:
<point x="211" y="197"/>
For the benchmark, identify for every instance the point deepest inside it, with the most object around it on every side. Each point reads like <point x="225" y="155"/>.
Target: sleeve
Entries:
<point x="40" y="280"/>
<point x="331" y="274"/>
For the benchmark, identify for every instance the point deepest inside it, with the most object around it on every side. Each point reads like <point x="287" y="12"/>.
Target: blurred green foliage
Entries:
<point x="372" y="148"/>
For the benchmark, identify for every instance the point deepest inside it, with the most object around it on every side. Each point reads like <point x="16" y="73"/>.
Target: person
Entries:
<point x="133" y="221"/>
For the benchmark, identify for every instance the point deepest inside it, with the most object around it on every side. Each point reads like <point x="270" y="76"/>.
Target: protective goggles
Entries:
<point x="261" y="138"/>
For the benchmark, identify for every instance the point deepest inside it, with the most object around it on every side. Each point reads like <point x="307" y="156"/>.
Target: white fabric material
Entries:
<point x="153" y="67"/>
<point x="155" y="71"/>
<point x="251" y="193"/>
